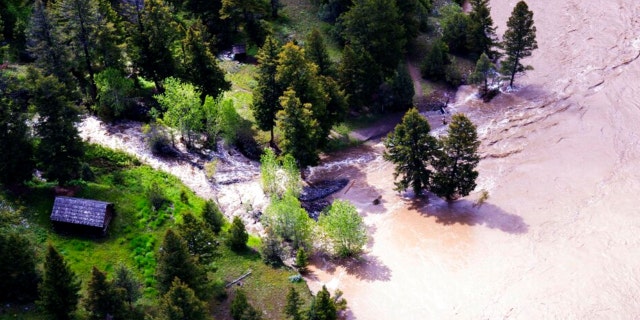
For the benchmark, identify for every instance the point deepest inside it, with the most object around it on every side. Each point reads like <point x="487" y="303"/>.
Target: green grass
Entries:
<point x="242" y="78"/>
<point x="136" y="232"/>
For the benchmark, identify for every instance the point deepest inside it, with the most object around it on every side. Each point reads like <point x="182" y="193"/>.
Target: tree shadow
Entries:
<point x="465" y="212"/>
<point x="367" y="268"/>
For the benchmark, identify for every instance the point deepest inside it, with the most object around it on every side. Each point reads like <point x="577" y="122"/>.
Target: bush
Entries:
<point x="238" y="236"/>
<point x="156" y="196"/>
<point x="452" y="75"/>
<point x="85" y="172"/>
<point x="159" y="142"/>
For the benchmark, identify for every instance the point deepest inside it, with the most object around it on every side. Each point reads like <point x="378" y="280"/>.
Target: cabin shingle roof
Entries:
<point x="80" y="211"/>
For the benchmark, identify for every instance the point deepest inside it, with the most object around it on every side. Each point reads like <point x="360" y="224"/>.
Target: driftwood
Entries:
<point x="238" y="280"/>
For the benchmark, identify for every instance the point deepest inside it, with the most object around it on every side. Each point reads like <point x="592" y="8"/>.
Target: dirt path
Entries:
<point x="414" y="71"/>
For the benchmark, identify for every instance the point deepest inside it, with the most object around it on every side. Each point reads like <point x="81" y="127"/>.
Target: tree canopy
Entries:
<point x="59" y="290"/>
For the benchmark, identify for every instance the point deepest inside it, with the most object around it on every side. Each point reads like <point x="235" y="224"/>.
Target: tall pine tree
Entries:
<point x="266" y="96"/>
<point x="103" y="299"/>
<point x="299" y="128"/>
<point x="518" y="41"/>
<point x="294" y="303"/>
<point x="59" y="291"/>
<point x="181" y="303"/>
<point x="174" y="261"/>
<point x="481" y="33"/>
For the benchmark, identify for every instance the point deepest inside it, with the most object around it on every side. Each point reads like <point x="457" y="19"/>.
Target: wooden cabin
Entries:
<point x="82" y="216"/>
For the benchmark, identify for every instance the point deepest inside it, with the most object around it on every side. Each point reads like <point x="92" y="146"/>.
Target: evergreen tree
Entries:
<point x="399" y="90"/>
<point x="455" y="174"/>
<point x="59" y="148"/>
<point x="174" y="261"/>
<point x="434" y="65"/>
<point x="59" y="289"/>
<point x="482" y="73"/>
<point x="454" y="28"/>
<point x="20" y="277"/>
<point x="316" y="52"/>
<point x="294" y="303"/>
<point x="266" y="96"/>
<point x="200" y="240"/>
<point x="103" y="300"/>
<point x="46" y="45"/>
<point x="481" y="33"/>
<point x="359" y="75"/>
<point x="200" y="66"/>
<point x="213" y="216"/>
<point x="180" y="303"/>
<point x="130" y="285"/>
<point x="302" y="260"/>
<point x="345" y="228"/>
<point x="414" y="16"/>
<point x="323" y="307"/>
<point x="238" y="236"/>
<point x="411" y="149"/>
<point x="518" y="41"/>
<point x="299" y="128"/>
<point x="271" y="249"/>
<point x="16" y="159"/>
<point x="241" y="309"/>
<point x="375" y="26"/>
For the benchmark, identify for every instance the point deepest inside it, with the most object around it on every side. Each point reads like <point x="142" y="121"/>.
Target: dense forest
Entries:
<point x="170" y="64"/>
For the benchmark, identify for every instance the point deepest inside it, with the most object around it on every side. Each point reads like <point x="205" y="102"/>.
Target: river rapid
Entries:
<point x="559" y="235"/>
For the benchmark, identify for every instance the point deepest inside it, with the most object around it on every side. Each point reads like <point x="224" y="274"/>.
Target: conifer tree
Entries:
<point x="213" y="216"/>
<point x="59" y="291"/>
<point x="266" y="96"/>
<point x="126" y="281"/>
<point x="299" y="128"/>
<point x="174" y="261"/>
<point x="302" y="260"/>
<point x="454" y="28"/>
<point x="200" y="239"/>
<point x="241" y="309"/>
<point x="292" y="308"/>
<point x="434" y="65"/>
<point x="454" y="168"/>
<point x="482" y="73"/>
<point x="359" y="75"/>
<point x="46" y="45"/>
<point x="238" y="236"/>
<point x="103" y="300"/>
<point x="20" y="277"/>
<point x="180" y="303"/>
<point x="518" y="41"/>
<point x="271" y="248"/>
<point x="410" y="147"/>
<point x="481" y="33"/>
<point x="323" y="306"/>
<point x="316" y="52"/>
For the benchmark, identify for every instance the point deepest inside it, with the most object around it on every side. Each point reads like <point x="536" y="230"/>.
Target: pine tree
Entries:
<point x="238" y="236"/>
<point x="302" y="260"/>
<point x="359" y="75"/>
<point x="434" y="65"/>
<point x="518" y="41"/>
<point x="400" y="90"/>
<point x="299" y="129"/>
<point x="266" y="96"/>
<point x="59" y="149"/>
<point x="292" y="308"/>
<point x="481" y="33"/>
<point x="323" y="306"/>
<point x="454" y="28"/>
<point x="126" y="281"/>
<point x="199" y="65"/>
<point x="411" y="149"/>
<point x="103" y="300"/>
<point x="454" y="168"/>
<point x="46" y="45"/>
<point x="200" y="239"/>
<point x="20" y="277"/>
<point x="271" y="248"/>
<point x="59" y="289"/>
<point x="213" y="216"/>
<point x="241" y="309"/>
<point x="174" y="261"/>
<point x="180" y="303"/>
<point x="481" y="75"/>
<point x="316" y="52"/>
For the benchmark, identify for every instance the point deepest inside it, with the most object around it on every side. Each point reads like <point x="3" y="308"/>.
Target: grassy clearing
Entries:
<point x="136" y="233"/>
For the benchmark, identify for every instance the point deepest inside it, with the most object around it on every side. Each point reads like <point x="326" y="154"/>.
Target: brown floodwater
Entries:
<point x="559" y="235"/>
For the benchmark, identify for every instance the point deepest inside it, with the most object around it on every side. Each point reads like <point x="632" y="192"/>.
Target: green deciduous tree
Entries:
<point x="238" y="236"/>
<point x="241" y="309"/>
<point x="481" y="33"/>
<point x="199" y="239"/>
<point x="180" y="303"/>
<point x="454" y="27"/>
<point x="294" y="303"/>
<point x="289" y="220"/>
<point x="266" y="96"/>
<point x="102" y="298"/>
<point x="59" y="148"/>
<point x="213" y="216"/>
<point x="299" y="128"/>
<point x="482" y="74"/>
<point x="518" y="41"/>
<point x="455" y="163"/>
<point x="181" y="100"/>
<point x="114" y="93"/>
<point x="345" y="229"/>
<point x="269" y="172"/>
<point x="410" y="147"/>
<point x="174" y="261"/>
<point x="59" y="291"/>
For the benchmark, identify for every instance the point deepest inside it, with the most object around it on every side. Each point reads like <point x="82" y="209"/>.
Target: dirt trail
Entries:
<point x="558" y="236"/>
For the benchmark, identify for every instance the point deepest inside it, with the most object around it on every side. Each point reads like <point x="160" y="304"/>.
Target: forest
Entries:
<point x="281" y="81"/>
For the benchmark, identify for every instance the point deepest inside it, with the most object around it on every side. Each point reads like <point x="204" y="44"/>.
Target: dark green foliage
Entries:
<point x="17" y="156"/>
<point x="181" y="303"/>
<point x="271" y="249"/>
<point x="17" y="253"/>
<point x="398" y="91"/>
<point x="102" y="298"/>
<point x="482" y="74"/>
<point x="481" y="34"/>
<point x="454" y="28"/>
<point x="457" y="159"/>
<point x="200" y="240"/>
<point x="411" y="148"/>
<point x="174" y="261"/>
<point x="241" y="309"/>
<point x="267" y="93"/>
<point x="323" y="307"/>
<point x="199" y="65"/>
<point x="375" y="26"/>
<point x="316" y="52"/>
<point x="156" y="196"/>
<point x="435" y="63"/>
<point x="45" y="44"/>
<point x="299" y="127"/>
<point x="359" y="75"/>
<point x="414" y="16"/>
<point x="336" y="107"/>
<point x="238" y="236"/>
<point x="130" y="285"/>
<point x="302" y="260"/>
<point x="212" y="216"/>
<point x="330" y="10"/>
<point x="452" y="74"/>
<point x="294" y="303"/>
<point x="114" y="93"/>
<point x="518" y="41"/>
<point x="59" y="289"/>
<point x="59" y="147"/>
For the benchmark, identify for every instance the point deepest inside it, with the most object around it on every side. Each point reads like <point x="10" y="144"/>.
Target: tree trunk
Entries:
<point x="515" y="67"/>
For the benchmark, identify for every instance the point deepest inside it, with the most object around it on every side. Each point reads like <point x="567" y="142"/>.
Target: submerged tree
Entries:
<point x="518" y="41"/>
<point x="482" y="74"/>
<point x="345" y="228"/>
<point x="410" y="147"/>
<point x="59" y="291"/>
<point x="455" y="174"/>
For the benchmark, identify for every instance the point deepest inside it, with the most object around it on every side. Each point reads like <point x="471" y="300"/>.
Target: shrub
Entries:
<point x="156" y="196"/>
<point x="238" y="236"/>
